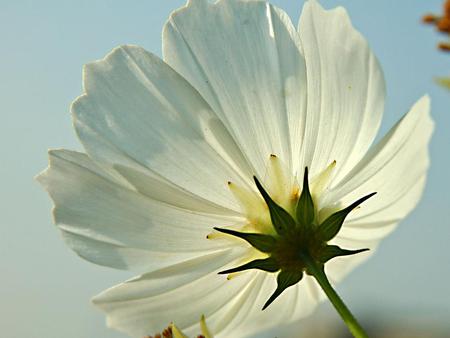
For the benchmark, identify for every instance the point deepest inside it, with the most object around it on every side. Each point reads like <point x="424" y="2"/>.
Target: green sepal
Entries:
<point x="269" y="264"/>
<point x="332" y="251"/>
<point x="264" y="243"/>
<point x="305" y="207"/>
<point x="282" y="221"/>
<point x="285" y="279"/>
<point x="331" y="226"/>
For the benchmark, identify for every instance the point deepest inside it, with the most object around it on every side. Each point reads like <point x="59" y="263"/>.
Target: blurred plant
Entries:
<point x="445" y="82"/>
<point x="442" y="24"/>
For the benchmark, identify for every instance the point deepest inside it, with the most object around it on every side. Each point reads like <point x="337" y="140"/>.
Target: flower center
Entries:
<point x="286" y="228"/>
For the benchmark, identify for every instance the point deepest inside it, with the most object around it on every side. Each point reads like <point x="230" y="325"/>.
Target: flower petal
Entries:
<point x="294" y="303"/>
<point x="160" y="189"/>
<point x="110" y="224"/>
<point x="244" y="57"/>
<point x="396" y="168"/>
<point x="346" y="90"/>
<point x="139" y="113"/>
<point x="339" y="267"/>
<point x="178" y="293"/>
<point x="146" y="304"/>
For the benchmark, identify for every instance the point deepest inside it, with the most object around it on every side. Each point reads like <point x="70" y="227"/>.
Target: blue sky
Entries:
<point x="46" y="288"/>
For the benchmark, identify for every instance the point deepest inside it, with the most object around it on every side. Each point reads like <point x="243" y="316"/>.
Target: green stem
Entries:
<point x="319" y="274"/>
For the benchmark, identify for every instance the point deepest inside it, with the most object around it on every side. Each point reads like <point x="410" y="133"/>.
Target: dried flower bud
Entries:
<point x="447" y="8"/>
<point x="444" y="46"/>
<point x="429" y="18"/>
<point x="174" y="332"/>
<point x="167" y="333"/>
<point x="443" y="25"/>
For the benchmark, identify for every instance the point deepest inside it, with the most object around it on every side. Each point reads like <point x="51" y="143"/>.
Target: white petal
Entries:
<point x="137" y="112"/>
<point x="346" y="90"/>
<point x="339" y="267"/>
<point x="245" y="60"/>
<point x="110" y="224"/>
<point x="396" y="168"/>
<point x="229" y="324"/>
<point x="180" y="294"/>
<point x="160" y="189"/>
<point x="294" y="303"/>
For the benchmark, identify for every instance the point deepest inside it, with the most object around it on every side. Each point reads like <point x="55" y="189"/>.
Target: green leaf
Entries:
<point x="285" y="279"/>
<point x="269" y="264"/>
<point x="332" y="251"/>
<point x="264" y="243"/>
<point x="282" y="221"/>
<point x="331" y="226"/>
<point x="305" y="206"/>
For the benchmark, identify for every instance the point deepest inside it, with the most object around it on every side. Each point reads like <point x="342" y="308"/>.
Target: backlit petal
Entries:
<point x="244" y="57"/>
<point x="138" y="112"/>
<point x="146" y="304"/>
<point x="110" y="224"/>
<point x="396" y="169"/>
<point x="346" y="90"/>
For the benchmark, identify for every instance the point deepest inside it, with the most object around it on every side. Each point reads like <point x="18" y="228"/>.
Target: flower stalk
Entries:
<point x="319" y="274"/>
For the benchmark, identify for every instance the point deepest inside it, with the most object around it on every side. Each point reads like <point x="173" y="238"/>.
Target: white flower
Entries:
<point x="163" y="137"/>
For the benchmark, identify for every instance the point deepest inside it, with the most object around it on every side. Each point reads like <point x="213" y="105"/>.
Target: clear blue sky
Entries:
<point x="45" y="288"/>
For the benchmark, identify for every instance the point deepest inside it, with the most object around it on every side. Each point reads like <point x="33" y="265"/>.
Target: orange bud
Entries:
<point x="444" y="46"/>
<point x="429" y="18"/>
<point x="447" y="8"/>
<point x="443" y="25"/>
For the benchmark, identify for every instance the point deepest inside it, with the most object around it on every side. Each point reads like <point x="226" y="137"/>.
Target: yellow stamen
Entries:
<point x="321" y="181"/>
<point x="253" y="254"/>
<point x="253" y="206"/>
<point x="277" y="182"/>
<point x="215" y="235"/>
<point x="176" y="332"/>
<point x="280" y="183"/>
<point x="205" y="331"/>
